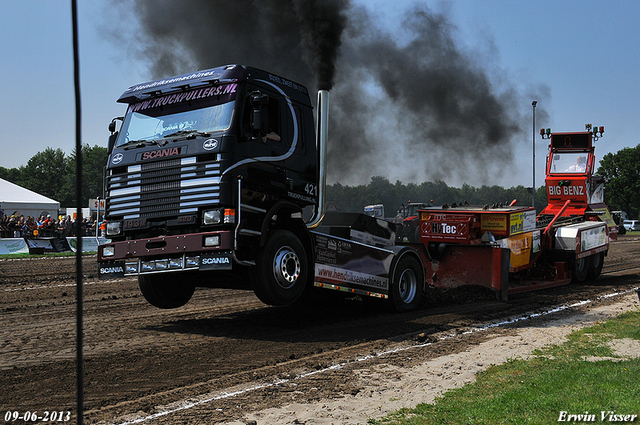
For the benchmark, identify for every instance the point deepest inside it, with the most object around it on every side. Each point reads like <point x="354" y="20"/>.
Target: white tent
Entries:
<point x="14" y="198"/>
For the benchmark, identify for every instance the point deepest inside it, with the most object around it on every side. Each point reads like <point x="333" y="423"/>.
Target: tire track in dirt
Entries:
<point x="138" y="357"/>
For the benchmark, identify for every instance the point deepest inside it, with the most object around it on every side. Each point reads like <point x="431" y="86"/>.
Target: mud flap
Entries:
<point x="114" y="270"/>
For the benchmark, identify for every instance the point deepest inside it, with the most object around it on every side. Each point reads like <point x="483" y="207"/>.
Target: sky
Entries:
<point x="578" y="59"/>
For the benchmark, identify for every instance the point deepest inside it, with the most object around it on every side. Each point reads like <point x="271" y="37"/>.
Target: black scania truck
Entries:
<point x="218" y="176"/>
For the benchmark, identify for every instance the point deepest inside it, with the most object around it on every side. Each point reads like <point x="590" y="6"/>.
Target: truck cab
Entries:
<point x="376" y="210"/>
<point x="573" y="188"/>
<point x="205" y="170"/>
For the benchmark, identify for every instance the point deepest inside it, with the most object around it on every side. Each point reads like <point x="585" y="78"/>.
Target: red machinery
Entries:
<point x="570" y="178"/>
<point x="507" y="248"/>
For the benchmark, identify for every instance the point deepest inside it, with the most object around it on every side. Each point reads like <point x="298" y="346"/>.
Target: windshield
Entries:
<point x="569" y="162"/>
<point x="145" y="126"/>
<point x="200" y="110"/>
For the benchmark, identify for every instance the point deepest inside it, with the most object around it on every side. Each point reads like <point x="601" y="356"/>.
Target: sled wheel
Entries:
<point x="406" y="290"/>
<point x="281" y="269"/>
<point x="166" y="290"/>
<point x="580" y="269"/>
<point x="597" y="261"/>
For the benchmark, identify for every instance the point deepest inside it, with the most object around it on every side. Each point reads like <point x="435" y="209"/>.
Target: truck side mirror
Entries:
<point x="112" y="141"/>
<point x="259" y="122"/>
<point x="259" y="115"/>
<point x="114" y="134"/>
<point x="259" y="99"/>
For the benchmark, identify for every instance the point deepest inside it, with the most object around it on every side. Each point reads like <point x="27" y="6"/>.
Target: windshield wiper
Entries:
<point x="186" y="134"/>
<point x="130" y="144"/>
<point x="178" y="135"/>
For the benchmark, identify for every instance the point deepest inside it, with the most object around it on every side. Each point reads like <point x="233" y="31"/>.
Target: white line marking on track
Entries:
<point x="93" y="282"/>
<point x="184" y="405"/>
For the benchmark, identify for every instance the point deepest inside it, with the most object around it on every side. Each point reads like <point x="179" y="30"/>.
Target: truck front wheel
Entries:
<point x="166" y="290"/>
<point x="281" y="269"/>
<point x="407" y="287"/>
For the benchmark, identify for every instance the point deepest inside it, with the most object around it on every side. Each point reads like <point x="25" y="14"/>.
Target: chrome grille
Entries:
<point x="163" y="188"/>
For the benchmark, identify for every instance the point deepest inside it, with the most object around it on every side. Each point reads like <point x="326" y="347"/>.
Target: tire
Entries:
<point x="597" y="261"/>
<point x="416" y="234"/>
<point x="281" y="271"/>
<point x="166" y="290"/>
<point x="407" y="286"/>
<point x="580" y="269"/>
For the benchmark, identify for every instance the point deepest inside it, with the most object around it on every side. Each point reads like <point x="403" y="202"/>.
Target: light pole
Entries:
<point x="533" y="191"/>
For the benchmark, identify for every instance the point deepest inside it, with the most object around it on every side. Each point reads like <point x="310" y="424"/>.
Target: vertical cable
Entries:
<point x="79" y="220"/>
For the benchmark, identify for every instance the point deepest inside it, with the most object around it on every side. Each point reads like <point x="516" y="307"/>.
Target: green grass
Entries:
<point x="535" y="391"/>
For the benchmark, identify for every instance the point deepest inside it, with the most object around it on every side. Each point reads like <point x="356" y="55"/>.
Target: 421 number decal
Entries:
<point x="311" y="189"/>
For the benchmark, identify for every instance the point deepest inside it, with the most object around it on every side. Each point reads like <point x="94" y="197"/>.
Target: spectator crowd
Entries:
<point x="15" y="226"/>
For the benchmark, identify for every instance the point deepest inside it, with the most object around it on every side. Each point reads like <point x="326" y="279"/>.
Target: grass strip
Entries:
<point x="562" y="378"/>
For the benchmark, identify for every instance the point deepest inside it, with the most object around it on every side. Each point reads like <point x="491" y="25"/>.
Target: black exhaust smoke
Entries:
<point x="412" y="105"/>
<point x="321" y="25"/>
<point x="298" y="39"/>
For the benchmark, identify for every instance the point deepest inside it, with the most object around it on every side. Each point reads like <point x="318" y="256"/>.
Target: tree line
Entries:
<point x="381" y="191"/>
<point x="52" y="173"/>
<point x="621" y="171"/>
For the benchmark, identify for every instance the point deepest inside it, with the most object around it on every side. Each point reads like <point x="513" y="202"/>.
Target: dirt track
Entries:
<point x="138" y="357"/>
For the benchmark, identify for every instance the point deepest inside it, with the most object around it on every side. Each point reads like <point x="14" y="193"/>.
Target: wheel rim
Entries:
<point x="286" y="267"/>
<point x="407" y="285"/>
<point x="596" y="261"/>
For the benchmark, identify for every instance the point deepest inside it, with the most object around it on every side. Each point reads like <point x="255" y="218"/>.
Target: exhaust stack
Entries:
<point x="322" y="132"/>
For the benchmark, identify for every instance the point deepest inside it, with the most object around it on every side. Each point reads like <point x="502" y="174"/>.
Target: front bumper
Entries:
<point x="166" y="254"/>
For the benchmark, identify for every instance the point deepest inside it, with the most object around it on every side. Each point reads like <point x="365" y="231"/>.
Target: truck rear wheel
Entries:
<point x="281" y="269"/>
<point x="580" y="269"/>
<point x="166" y="290"/>
<point x="407" y="286"/>
<point x="597" y="261"/>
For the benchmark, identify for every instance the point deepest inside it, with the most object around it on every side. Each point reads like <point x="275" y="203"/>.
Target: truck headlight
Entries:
<point x="147" y="266"/>
<point x="211" y="217"/>
<point x="114" y="228"/>
<point x="162" y="264"/>
<point x="108" y="251"/>
<point x="212" y="240"/>
<point x="131" y="267"/>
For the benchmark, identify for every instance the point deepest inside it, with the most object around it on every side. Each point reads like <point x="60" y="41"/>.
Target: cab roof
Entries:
<point x="215" y="76"/>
